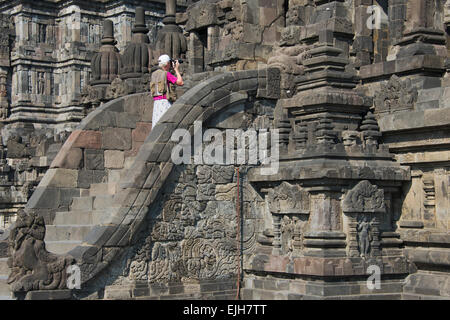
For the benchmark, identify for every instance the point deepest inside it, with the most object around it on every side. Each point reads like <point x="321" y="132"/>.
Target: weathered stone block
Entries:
<point x="103" y="119"/>
<point x="135" y="147"/>
<point x="116" y="139"/>
<point x="125" y="120"/>
<point x="44" y="197"/>
<point x="114" y="159"/>
<point x="88" y="139"/>
<point x="93" y="159"/>
<point x="70" y="159"/>
<point x="141" y="132"/>
<point x="64" y="178"/>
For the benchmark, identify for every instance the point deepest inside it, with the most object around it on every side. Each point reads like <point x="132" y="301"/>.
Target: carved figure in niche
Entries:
<point x="287" y="232"/>
<point x="364" y="237"/>
<point x="40" y="83"/>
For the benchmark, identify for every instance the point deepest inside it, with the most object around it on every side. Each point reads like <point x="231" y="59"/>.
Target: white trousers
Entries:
<point x="159" y="108"/>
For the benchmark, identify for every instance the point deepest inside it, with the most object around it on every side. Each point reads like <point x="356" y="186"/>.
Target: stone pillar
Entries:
<point x="297" y="244"/>
<point x="375" y="243"/>
<point x="352" y="238"/>
<point x="324" y="236"/>
<point x="417" y="15"/>
<point x="276" y="234"/>
<point x="429" y="203"/>
<point x="4" y="103"/>
<point x="422" y="34"/>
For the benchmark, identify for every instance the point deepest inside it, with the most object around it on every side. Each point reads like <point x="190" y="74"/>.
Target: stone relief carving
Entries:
<point x="287" y="203"/>
<point x="32" y="266"/>
<point x="363" y="205"/>
<point x="364" y="197"/>
<point x="364" y="237"/>
<point x="429" y="202"/>
<point x="118" y="88"/>
<point x="215" y="174"/>
<point x="397" y="94"/>
<point x="287" y="230"/>
<point x="90" y="96"/>
<point x="289" y="59"/>
<point x="194" y="235"/>
<point x="288" y="199"/>
<point x="40" y="82"/>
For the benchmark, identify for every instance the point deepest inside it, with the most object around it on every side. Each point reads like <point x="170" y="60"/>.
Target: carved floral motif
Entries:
<point x="364" y="197"/>
<point x="288" y="199"/>
<point x="395" y="95"/>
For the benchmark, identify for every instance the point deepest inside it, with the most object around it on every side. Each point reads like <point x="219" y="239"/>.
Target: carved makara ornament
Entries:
<point x="32" y="266"/>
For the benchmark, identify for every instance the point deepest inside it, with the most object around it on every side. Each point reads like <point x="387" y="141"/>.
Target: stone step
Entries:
<point x="4" y="287"/>
<point x="4" y="269"/>
<point x="445" y="92"/>
<point x="79" y="217"/>
<point x="74" y="217"/>
<point x="433" y="104"/>
<point x="378" y="296"/>
<point x="416" y="296"/>
<point x="114" y="175"/>
<point x="429" y="94"/>
<point x="82" y="203"/>
<point x="101" y="202"/>
<point x="445" y="98"/>
<point x="102" y="189"/>
<point x="66" y="232"/>
<point x="61" y="247"/>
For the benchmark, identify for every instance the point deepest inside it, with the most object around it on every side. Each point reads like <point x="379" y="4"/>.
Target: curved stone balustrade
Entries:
<point x="114" y="128"/>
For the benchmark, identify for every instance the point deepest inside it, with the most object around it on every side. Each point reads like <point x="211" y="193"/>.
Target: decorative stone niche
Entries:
<point x="289" y="205"/>
<point x="364" y="207"/>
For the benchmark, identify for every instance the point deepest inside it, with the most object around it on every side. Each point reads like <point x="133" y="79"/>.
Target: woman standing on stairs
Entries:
<point x="160" y="86"/>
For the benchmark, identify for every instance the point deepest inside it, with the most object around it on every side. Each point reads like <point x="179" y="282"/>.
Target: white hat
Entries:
<point x="163" y="60"/>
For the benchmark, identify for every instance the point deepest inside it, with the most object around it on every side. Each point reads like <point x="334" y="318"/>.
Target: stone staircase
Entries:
<point x="110" y="140"/>
<point x="69" y="228"/>
<point x="111" y="169"/>
<point x="5" y="293"/>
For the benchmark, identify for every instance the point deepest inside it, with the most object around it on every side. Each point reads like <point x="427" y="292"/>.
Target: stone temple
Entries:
<point x="351" y="96"/>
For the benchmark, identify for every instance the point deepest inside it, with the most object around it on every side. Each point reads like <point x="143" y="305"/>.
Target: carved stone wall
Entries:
<point x="45" y="68"/>
<point x="362" y="177"/>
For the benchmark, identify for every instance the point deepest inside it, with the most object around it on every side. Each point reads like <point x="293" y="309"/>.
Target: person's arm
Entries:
<point x="177" y="73"/>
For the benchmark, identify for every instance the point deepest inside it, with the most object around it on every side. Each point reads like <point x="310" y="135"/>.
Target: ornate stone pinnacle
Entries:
<point x="170" y="39"/>
<point x="324" y="131"/>
<point x="139" y="25"/>
<point x="369" y="127"/>
<point x="108" y="33"/>
<point x="171" y="9"/>
<point x="301" y="136"/>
